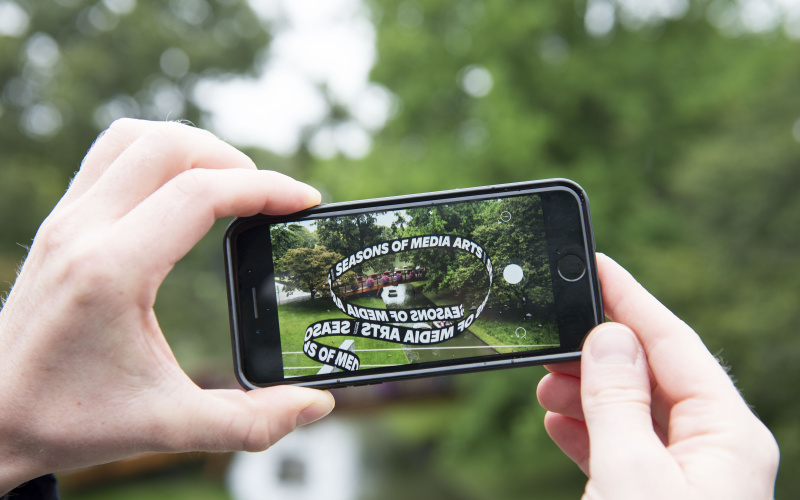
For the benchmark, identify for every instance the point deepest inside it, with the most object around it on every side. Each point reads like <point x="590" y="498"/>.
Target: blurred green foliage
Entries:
<point x="684" y="136"/>
<point x="77" y="66"/>
<point x="684" y="133"/>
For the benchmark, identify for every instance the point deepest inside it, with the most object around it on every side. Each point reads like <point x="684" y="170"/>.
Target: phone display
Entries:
<point x="363" y="292"/>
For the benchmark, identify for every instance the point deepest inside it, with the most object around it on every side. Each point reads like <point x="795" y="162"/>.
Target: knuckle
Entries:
<point x="191" y="184"/>
<point x="121" y="124"/>
<point x="56" y="232"/>
<point x="121" y="127"/>
<point x="257" y="439"/>
<point x="609" y="397"/>
<point x="72" y="261"/>
<point x="86" y="269"/>
<point x="256" y="435"/>
<point x="86" y="274"/>
<point x="188" y="129"/>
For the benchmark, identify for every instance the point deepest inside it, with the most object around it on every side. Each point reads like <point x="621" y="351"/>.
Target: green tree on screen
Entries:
<point x="307" y="269"/>
<point x="291" y="236"/>
<point x="347" y="235"/>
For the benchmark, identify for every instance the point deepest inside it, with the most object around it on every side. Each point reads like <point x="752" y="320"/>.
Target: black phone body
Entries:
<point x="428" y="284"/>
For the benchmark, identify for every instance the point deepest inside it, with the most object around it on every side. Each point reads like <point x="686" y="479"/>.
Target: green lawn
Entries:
<point x="500" y="332"/>
<point x="295" y="317"/>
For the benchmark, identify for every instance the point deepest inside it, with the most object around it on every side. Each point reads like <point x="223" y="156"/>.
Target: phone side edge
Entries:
<point x="232" y="286"/>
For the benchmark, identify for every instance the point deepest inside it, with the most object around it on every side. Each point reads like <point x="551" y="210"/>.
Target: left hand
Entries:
<point x="86" y="375"/>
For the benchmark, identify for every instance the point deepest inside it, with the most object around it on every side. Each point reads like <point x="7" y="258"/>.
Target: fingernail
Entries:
<point x="313" y="412"/>
<point x="614" y="344"/>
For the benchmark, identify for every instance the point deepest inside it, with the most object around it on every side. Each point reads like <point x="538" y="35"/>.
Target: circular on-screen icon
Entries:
<point x="513" y="274"/>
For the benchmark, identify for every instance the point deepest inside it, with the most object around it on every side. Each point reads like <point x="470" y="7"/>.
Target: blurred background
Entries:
<point x="680" y="119"/>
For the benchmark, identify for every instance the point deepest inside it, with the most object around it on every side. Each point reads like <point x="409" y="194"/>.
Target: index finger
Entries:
<point x="170" y="221"/>
<point x="157" y="153"/>
<point x="108" y="145"/>
<point x="677" y="356"/>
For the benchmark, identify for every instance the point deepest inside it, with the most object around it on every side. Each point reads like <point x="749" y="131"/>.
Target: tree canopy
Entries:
<point x="288" y="237"/>
<point x="307" y="268"/>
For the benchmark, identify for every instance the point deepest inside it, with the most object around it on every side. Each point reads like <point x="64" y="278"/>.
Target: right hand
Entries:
<point x="648" y="412"/>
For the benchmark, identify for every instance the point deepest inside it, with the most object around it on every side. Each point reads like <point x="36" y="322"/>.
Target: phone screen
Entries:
<point x="438" y="283"/>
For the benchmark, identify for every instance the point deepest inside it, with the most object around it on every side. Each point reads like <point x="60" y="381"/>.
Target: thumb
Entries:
<point x="233" y="420"/>
<point x="615" y="393"/>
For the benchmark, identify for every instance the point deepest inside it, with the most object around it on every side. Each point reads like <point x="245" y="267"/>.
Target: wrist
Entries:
<point x="17" y="461"/>
<point x="14" y="468"/>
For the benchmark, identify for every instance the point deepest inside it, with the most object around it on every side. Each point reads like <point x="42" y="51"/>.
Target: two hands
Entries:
<point x="87" y="377"/>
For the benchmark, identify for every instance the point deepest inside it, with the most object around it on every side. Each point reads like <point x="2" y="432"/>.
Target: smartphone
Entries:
<point x="376" y="290"/>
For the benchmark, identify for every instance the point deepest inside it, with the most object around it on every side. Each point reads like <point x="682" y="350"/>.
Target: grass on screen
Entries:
<point x="295" y="317"/>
